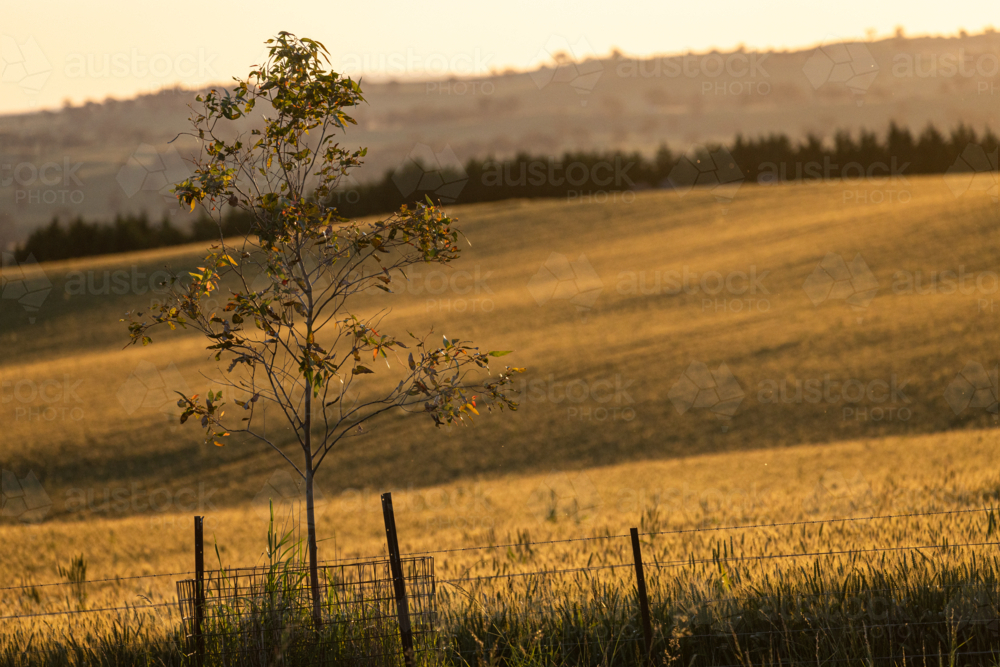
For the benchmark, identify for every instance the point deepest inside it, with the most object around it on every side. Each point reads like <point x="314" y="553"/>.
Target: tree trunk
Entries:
<point x="311" y="514"/>
<point x="307" y="442"/>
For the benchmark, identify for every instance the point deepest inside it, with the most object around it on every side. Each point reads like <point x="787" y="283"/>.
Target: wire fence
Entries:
<point x="591" y="538"/>
<point x="240" y="615"/>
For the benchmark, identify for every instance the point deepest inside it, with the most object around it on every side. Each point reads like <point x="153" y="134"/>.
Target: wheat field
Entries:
<point x="829" y="400"/>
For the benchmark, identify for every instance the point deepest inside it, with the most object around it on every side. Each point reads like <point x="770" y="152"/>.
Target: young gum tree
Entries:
<point x="288" y="336"/>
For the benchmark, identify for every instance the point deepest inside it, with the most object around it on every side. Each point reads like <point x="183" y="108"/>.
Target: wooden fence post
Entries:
<point x="399" y="584"/>
<point x="640" y="580"/>
<point x="199" y="588"/>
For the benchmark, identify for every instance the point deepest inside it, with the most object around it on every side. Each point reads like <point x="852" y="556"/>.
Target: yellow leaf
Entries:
<point x="219" y="444"/>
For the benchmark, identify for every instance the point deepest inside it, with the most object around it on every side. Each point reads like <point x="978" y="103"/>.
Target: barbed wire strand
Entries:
<point x="783" y="524"/>
<point x="842" y="552"/>
<point x="544" y="542"/>
<point x="95" y="581"/>
<point x="88" y="611"/>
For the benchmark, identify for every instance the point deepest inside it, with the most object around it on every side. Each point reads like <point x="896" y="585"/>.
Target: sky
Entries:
<point x="54" y="52"/>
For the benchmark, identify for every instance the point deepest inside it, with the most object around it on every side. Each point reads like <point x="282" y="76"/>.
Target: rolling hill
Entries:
<point x="114" y="157"/>
<point x="659" y="327"/>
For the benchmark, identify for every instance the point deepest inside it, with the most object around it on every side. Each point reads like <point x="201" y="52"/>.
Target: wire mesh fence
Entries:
<point x="906" y="602"/>
<point x="264" y="616"/>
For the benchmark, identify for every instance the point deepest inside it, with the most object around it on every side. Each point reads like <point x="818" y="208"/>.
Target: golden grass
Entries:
<point x="640" y="456"/>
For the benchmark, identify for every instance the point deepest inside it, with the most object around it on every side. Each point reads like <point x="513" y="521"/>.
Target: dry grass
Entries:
<point x="559" y="468"/>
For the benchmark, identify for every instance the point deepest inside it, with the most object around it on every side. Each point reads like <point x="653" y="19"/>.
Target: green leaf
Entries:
<point x="361" y="370"/>
<point x="498" y="353"/>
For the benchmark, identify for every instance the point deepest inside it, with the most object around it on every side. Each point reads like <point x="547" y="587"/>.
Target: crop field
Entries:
<point x="799" y="353"/>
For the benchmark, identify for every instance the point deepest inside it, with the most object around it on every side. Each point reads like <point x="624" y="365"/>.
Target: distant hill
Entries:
<point x="97" y="160"/>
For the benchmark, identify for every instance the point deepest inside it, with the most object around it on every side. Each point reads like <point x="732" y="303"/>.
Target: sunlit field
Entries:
<point x="689" y="365"/>
<point x="722" y="497"/>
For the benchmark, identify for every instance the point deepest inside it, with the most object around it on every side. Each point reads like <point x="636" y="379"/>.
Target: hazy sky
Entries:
<point x="53" y="51"/>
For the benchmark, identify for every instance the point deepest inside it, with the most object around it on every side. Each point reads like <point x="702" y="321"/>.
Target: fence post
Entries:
<point x="399" y="584"/>
<point x="640" y="580"/>
<point x="199" y="588"/>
